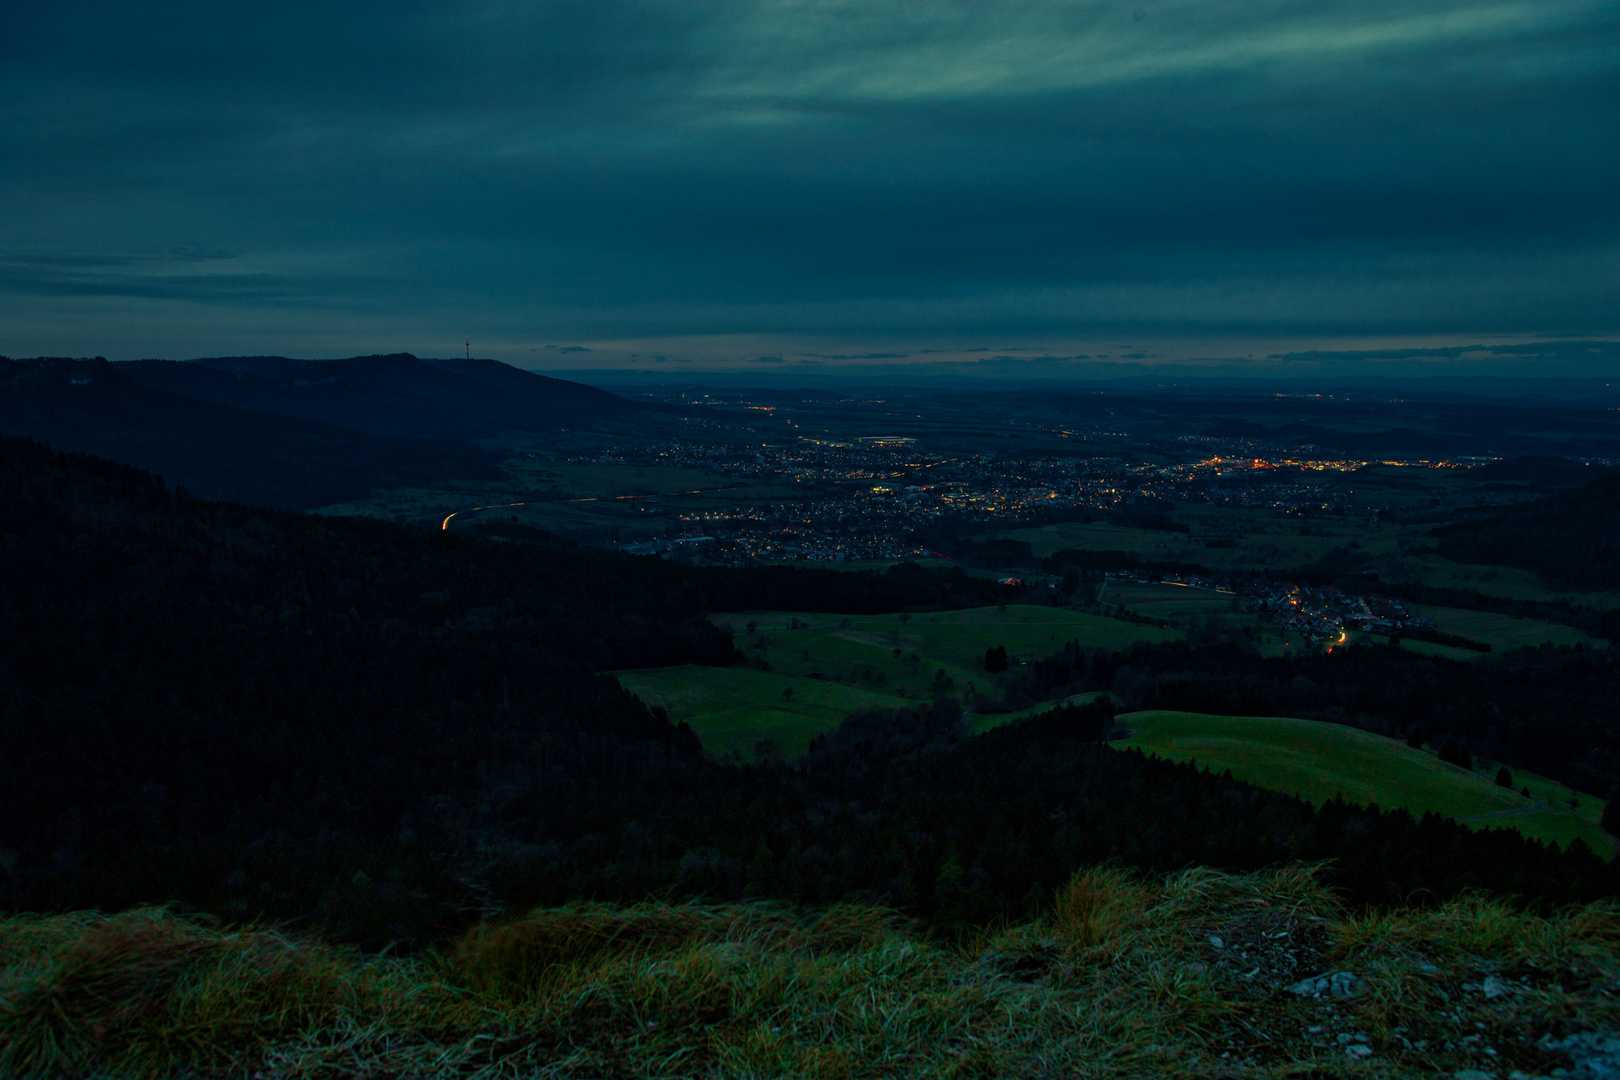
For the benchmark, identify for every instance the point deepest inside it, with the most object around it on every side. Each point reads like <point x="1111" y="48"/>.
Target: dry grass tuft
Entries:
<point x="519" y="955"/>
<point x="851" y="927"/>
<point x="1125" y="975"/>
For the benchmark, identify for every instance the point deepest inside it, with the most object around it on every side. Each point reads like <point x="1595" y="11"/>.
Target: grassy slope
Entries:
<point x="1318" y="761"/>
<point x="1504" y="581"/>
<point x="1427" y="648"/>
<point x="954" y="641"/>
<point x="1502" y="631"/>
<point x="1188" y="606"/>
<point x="1166" y="601"/>
<point x="1123" y="976"/>
<point x="732" y="708"/>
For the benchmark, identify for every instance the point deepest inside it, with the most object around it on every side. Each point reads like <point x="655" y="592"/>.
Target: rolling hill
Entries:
<point x="1320" y="761"/>
<point x="216" y="449"/>
<point x="397" y="394"/>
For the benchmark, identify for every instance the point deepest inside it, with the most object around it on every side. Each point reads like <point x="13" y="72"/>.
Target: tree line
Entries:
<point x="1548" y="709"/>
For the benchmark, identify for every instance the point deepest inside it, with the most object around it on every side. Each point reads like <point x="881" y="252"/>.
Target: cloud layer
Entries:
<point x="179" y="178"/>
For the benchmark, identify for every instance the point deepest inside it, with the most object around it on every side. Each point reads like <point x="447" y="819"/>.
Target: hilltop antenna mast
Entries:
<point x="469" y="348"/>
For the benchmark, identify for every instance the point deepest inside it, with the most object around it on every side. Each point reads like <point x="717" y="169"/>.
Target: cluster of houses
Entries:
<point x="1325" y="613"/>
<point x="788" y="543"/>
<point x="1309" y="613"/>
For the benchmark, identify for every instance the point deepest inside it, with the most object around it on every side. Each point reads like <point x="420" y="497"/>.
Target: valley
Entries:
<point x="898" y="657"/>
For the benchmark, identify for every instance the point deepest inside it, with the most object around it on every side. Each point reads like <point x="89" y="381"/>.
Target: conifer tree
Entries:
<point x="1455" y="753"/>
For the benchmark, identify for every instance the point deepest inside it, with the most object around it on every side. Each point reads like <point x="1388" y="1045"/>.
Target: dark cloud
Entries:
<point x="1581" y="351"/>
<point x="859" y="356"/>
<point x="160" y="279"/>
<point x="605" y="168"/>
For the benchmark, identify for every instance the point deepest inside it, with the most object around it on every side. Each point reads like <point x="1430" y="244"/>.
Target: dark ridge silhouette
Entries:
<point x="216" y="449"/>
<point x="396" y="394"/>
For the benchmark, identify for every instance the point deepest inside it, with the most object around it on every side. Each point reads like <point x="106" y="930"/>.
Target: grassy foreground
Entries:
<point x="1124" y="976"/>
<point x="1319" y="761"/>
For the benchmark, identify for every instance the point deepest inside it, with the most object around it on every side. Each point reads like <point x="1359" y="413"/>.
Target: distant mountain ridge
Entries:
<point x="218" y="450"/>
<point x="293" y="434"/>
<point x="395" y="394"/>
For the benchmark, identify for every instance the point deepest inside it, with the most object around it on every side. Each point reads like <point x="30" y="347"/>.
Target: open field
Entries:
<point x="904" y="653"/>
<point x="977" y="723"/>
<point x="1184" y="605"/>
<point x="735" y="708"/>
<point x="1318" y="761"/>
<point x="835" y="664"/>
<point x="1427" y="648"/>
<point x="1444" y="652"/>
<point x="1164" y="600"/>
<point x="1505" y="581"/>
<point x="1570" y="813"/>
<point x="1502" y="631"/>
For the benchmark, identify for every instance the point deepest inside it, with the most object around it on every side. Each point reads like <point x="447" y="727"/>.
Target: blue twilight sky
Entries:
<point x="716" y="183"/>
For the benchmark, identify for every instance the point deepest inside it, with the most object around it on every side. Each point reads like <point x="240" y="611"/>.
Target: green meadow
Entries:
<point x="735" y="708"/>
<point x="905" y="655"/>
<point x="1508" y="581"/>
<point x="1165" y="600"/>
<point x="807" y="671"/>
<point x="1502" y="632"/>
<point x="1318" y="761"/>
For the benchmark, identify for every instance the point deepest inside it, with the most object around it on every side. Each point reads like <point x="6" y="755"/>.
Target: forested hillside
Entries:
<point x="1550" y="709"/>
<point x="901" y="807"/>
<point x="238" y="707"/>
<point x="1572" y="540"/>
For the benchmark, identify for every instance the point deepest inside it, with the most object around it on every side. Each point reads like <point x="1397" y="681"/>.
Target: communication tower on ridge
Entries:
<point x="469" y="348"/>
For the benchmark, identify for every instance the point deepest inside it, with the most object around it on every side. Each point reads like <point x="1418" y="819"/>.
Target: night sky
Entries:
<point x="796" y="182"/>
